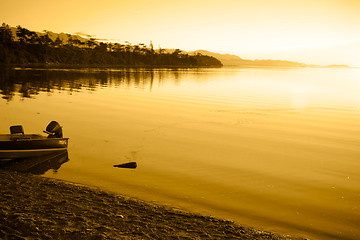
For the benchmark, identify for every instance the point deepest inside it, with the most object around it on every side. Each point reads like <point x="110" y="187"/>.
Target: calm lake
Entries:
<point x="275" y="149"/>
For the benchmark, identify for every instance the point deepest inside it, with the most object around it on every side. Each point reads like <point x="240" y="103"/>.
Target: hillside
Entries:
<point x="131" y="55"/>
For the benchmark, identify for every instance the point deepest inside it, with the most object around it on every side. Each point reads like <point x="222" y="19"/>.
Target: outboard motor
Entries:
<point x="54" y="130"/>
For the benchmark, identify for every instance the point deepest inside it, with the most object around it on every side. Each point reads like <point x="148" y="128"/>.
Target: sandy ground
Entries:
<point x="33" y="207"/>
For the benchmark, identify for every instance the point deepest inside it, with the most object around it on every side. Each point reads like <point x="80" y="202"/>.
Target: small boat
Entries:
<point x="19" y="145"/>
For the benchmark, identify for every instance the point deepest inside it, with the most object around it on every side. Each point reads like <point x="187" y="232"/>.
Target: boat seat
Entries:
<point x="17" y="132"/>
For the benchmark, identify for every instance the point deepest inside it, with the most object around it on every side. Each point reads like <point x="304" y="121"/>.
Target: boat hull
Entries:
<point x="32" y="146"/>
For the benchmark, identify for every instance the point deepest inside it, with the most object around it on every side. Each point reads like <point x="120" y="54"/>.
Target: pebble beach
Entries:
<point x="35" y="207"/>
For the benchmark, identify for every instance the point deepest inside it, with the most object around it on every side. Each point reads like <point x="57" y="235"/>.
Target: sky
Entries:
<point x="309" y="31"/>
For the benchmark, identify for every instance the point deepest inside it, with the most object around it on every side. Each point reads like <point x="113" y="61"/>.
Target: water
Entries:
<point x="276" y="149"/>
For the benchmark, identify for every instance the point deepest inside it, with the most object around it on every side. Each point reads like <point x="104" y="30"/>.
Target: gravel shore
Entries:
<point x="35" y="207"/>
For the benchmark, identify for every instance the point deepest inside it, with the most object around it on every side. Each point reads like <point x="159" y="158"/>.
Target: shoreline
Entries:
<point x="55" y="66"/>
<point x="52" y="66"/>
<point x="35" y="207"/>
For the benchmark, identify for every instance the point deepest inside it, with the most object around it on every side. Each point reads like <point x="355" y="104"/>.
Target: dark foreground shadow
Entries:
<point x="37" y="165"/>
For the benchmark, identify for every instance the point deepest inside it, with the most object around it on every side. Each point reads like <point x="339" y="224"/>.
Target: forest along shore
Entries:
<point x="34" y="207"/>
<point x="22" y="46"/>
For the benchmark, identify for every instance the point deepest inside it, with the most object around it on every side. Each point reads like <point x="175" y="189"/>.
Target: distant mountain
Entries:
<point x="64" y="37"/>
<point x="233" y="60"/>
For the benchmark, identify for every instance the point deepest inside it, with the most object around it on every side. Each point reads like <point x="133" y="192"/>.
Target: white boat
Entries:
<point x="19" y="145"/>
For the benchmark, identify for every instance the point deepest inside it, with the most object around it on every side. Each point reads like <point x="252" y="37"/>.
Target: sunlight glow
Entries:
<point x="317" y="32"/>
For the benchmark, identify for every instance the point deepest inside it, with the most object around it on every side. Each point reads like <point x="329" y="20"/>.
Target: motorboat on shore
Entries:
<point x="19" y="145"/>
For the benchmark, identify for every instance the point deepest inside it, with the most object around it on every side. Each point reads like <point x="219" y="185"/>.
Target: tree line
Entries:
<point x="29" y="47"/>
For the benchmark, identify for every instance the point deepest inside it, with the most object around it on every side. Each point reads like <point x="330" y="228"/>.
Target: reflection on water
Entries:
<point x="30" y="82"/>
<point x="37" y="165"/>
<point x="277" y="149"/>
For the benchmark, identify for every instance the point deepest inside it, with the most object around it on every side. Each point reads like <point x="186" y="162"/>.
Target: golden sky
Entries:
<point x="310" y="31"/>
